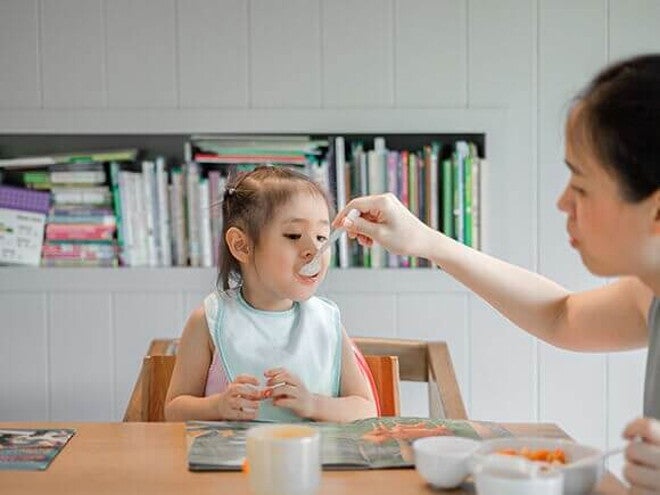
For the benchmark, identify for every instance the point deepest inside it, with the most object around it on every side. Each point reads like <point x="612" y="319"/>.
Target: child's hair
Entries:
<point x="250" y="202"/>
<point x="621" y="114"/>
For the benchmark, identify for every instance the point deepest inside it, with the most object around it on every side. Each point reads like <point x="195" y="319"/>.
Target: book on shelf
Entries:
<point x="374" y="443"/>
<point x="31" y="449"/>
<point x="72" y="157"/>
<point x="22" y="222"/>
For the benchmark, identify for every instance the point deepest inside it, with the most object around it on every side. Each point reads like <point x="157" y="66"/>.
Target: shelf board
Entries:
<point x="352" y="280"/>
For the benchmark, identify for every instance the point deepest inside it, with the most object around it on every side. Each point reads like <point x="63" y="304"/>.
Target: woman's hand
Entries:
<point x="385" y="220"/>
<point x="642" y="469"/>
<point x="293" y="395"/>
<point x="241" y="399"/>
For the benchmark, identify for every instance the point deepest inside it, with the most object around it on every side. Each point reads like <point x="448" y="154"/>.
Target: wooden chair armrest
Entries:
<point x="444" y="395"/>
<point x="134" y="409"/>
<point x="412" y="355"/>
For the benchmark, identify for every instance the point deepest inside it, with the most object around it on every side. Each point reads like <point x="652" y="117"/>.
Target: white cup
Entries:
<point x="284" y="459"/>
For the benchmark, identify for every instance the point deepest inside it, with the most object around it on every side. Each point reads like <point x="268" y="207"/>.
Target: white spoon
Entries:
<point x="314" y="266"/>
<point x="599" y="457"/>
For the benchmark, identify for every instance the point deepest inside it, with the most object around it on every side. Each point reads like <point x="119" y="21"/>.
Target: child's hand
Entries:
<point x="293" y="395"/>
<point x="241" y="399"/>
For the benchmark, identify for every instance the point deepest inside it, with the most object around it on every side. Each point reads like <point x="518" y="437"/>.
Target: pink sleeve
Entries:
<point x="216" y="379"/>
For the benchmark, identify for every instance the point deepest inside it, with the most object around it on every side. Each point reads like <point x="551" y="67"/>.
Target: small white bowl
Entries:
<point x="577" y="480"/>
<point x="513" y="475"/>
<point x="443" y="461"/>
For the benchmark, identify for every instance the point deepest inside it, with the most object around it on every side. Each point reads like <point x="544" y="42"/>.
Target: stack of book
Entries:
<point x="81" y="225"/>
<point x="141" y="201"/>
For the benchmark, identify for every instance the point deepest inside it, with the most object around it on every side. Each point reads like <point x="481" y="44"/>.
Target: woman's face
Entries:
<point x="613" y="236"/>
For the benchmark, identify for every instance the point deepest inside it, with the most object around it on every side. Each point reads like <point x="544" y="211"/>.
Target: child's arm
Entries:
<point x="185" y="397"/>
<point x="355" y="402"/>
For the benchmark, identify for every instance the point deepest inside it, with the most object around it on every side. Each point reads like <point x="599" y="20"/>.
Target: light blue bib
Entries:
<point x="306" y="340"/>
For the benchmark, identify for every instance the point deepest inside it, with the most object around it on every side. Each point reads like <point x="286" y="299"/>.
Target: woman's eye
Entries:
<point x="293" y="237"/>
<point x="578" y="190"/>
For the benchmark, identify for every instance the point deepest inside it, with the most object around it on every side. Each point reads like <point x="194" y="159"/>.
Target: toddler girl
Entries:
<point x="264" y="347"/>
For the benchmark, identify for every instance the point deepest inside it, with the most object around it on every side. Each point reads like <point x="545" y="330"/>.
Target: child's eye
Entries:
<point x="293" y="237"/>
<point x="321" y="238"/>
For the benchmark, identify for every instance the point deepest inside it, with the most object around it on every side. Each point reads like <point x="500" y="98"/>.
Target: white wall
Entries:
<point x="322" y="65"/>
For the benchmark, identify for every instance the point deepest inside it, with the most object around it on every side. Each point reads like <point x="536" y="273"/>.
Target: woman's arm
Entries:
<point x="185" y="397"/>
<point x="609" y="318"/>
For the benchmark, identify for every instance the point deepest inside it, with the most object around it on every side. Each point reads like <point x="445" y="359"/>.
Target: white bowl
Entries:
<point x="578" y="479"/>
<point x="514" y="475"/>
<point x="444" y="461"/>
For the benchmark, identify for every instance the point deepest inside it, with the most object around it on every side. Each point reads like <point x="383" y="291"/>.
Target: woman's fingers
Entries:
<point x="644" y="453"/>
<point x="642" y="477"/>
<point x="648" y="429"/>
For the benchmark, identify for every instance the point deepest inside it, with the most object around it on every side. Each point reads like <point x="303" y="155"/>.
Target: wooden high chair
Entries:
<point x="389" y="361"/>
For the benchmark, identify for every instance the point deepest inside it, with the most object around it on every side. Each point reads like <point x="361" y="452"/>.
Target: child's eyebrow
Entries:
<point x="304" y="220"/>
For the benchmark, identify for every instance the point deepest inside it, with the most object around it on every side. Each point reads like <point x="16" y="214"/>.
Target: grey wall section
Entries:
<point x="507" y="68"/>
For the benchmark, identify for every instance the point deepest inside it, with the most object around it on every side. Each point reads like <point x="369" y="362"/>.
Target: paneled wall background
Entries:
<point x="71" y="341"/>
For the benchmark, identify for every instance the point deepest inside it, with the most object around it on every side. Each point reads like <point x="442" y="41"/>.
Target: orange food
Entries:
<point x="557" y="456"/>
<point x="246" y="466"/>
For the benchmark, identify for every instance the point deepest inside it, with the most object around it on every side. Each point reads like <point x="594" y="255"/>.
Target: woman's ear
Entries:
<point x="238" y="244"/>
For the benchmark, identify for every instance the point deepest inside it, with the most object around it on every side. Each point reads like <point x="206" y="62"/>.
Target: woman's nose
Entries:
<point x="564" y="202"/>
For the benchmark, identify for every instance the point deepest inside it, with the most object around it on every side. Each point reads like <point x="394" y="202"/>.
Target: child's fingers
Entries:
<point x="285" y="391"/>
<point x="274" y="371"/>
<point x="245" y="378"/>
<point x="288" y="403"/>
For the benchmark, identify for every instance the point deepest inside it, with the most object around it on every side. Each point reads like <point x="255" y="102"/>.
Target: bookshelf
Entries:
<point x="171" y="147"/>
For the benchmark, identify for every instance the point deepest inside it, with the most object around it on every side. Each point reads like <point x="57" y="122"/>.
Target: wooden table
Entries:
<point x="150" y="458"/>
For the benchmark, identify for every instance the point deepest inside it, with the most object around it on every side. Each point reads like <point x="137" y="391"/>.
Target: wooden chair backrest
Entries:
<point x="389" y="361"/>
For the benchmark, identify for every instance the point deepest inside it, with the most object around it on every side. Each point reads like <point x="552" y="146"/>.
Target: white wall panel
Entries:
<point x="285" y="53"/>
<point x="213" y="53"/>
<point x="367" y="315"/>
<point x="141" y="51"/>
<point x="501" y="48"/>
<point x="81" y="356"/>
<point x="634" y="27"/>
<point x="20" y="87"/>
<point x="358" y="53"/>
<point x="23" y="357"/>
<point x="73" y="53"/>
<point x="581" y="384"/>
<point x="502" y="368"/>
<point x="438" y="316"/>
<point x="427" y="74"/>
<point x="137" y="319"/>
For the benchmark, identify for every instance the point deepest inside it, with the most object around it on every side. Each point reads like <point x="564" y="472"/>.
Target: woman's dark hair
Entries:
<point x="621" y="112"/>
<point x="250" y="202"/>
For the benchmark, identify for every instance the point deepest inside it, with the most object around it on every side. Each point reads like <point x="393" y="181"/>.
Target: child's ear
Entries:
<point x="238" y="244"/>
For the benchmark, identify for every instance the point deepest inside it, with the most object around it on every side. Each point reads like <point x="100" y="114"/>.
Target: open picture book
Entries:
<point x="374" y="443"/>
<point x="31" y="449"/>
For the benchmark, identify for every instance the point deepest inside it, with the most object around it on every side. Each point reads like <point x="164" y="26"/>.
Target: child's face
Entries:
<point x="299" y="227"/>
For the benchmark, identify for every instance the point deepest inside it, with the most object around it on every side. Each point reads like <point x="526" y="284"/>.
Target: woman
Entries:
<point x="612" y="204"/>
